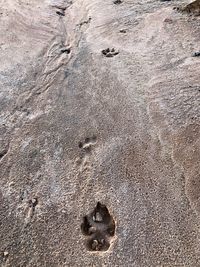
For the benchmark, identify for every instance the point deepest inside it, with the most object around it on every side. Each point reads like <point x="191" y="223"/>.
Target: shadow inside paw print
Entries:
<point x="99" y="226"/>
<point x="109" y="52"/>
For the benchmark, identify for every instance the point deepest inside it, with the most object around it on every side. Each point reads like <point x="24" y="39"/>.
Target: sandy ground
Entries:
<point x="78" y="127"/>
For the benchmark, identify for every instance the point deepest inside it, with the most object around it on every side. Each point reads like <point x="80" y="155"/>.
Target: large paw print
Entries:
<point x="99" y="226"/>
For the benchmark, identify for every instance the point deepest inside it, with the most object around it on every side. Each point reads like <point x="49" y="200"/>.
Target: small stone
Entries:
<point x="97" y="217"/>
<point x="102" y="241"/>
<point x="5" y="254"/>
<point x="92" y="230"/>
<point x="95" y="244"/>
<point x="34" y="200"/>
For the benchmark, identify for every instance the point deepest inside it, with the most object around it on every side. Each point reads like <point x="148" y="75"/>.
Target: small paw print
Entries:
<point x="87" y="144"/>
<point x="109" y="52"/>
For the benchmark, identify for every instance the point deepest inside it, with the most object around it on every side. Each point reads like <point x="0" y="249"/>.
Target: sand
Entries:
<point x="99" y="103"/>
